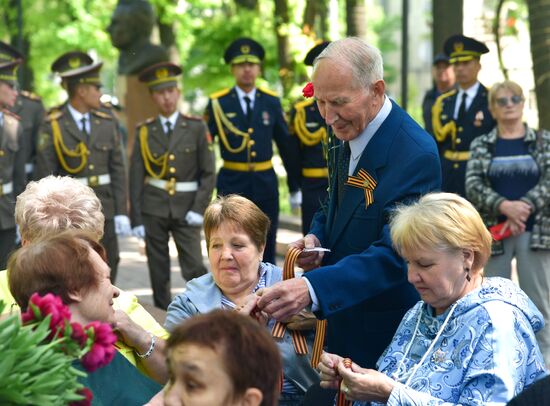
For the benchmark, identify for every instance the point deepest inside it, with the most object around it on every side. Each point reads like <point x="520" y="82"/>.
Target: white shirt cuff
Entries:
<point x="314" y="300"/>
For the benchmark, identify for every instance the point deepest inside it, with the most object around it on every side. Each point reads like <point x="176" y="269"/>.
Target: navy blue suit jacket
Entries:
<point x="362" y="286"/>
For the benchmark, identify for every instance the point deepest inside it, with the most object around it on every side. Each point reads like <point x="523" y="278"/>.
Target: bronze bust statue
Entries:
<point x="130" y="30"/>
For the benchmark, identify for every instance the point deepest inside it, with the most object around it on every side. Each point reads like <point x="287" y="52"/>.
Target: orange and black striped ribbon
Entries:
<point x="341" y="397"/>
<point x="364" y="181"/>
<point x="318" y="343"/>
<point x="298" y="339"/>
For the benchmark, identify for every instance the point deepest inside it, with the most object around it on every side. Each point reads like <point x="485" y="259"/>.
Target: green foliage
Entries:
<point x="32" y="370"/>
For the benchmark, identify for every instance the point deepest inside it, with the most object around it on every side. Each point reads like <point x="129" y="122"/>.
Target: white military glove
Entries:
<point x="295" y="200"/>
<point x="194" y="219"/>
<point x="122" y="225"/>
<point x="139" y="232"/>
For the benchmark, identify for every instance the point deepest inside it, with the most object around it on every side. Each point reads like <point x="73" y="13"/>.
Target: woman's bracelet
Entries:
<point x="151" y="348"/>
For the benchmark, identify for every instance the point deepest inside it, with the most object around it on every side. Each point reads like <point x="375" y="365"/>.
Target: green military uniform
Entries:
<point x="96" y="159"/>
<point x="30" y="109"/>
<point x="12" y="162"/>
<point x="172" y="173"/>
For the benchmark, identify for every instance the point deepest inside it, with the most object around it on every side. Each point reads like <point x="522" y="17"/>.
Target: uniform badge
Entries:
<point x="230" y="115"/>
<point x="479" y="118"/>
<point x="312" y="125"/>
<point x="364" y="181"/>
<point x="265" y="117"/>
<point x="42" y="141"/>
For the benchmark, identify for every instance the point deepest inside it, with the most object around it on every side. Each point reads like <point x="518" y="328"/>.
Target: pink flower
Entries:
<point x="87" y="401"/>
<point x="78" y="334"/>
<point x="308" y="90"/>
<point x="103" y="349"/>
<point x="42" y="306"/>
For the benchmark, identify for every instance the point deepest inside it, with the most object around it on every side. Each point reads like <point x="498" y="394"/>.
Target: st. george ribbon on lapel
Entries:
<point x="366" y="182"/>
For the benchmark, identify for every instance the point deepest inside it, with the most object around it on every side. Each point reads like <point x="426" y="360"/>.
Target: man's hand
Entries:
<point x="284" y="299"/>
<point x="194" y="219"/>
<point x="308" y="260"/>
<point x="122" y="225"/>
<point x="139" y="232"/>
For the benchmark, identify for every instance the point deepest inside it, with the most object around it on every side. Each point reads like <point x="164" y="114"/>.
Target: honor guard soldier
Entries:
<point x="247" y="119"/>
<point x="79" y="140"/>
<point x="12" y="158"/>
<point x="310" y="136"/>
<point x="462" y="114"/>
<point x="172" y="177"/>
<point x="30" y="110"/>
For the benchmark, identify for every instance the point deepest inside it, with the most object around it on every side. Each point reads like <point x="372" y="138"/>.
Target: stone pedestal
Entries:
<point x="137" y="103"/>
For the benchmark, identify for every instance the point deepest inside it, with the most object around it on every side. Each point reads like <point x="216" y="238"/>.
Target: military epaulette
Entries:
<point x="195" y="118"/>
<point x="30" y="95"/>
<point x="220" y="93"/>
<point x="145" y="122"/>
<point x="102" y="114"/>
<point x="10" y="113"/>
<point x="53" y="114"/>
<point x="268" y="91"/>
<point x="304" y="103"/>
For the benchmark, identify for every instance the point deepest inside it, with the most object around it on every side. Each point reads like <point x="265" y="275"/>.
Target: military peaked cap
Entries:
<point x="460" y="48"/>
<point x="160" y="75"/>
<point x="244" y="50"/>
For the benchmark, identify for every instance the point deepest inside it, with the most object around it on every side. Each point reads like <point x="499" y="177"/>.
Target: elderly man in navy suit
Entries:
<point x="384" y="158"/>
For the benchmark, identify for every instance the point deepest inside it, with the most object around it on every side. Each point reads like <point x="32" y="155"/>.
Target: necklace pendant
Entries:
<point x="438" y="356"/>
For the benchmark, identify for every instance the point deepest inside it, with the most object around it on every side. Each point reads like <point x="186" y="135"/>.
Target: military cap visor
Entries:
<point x="8" y="71"/>
<point x="460" y="48"/>
<point x="88" y="74"/>
<point x="315" y="52"/>
<point x="9" y="53"/>
<point x="440" y="58"/>
<point x="244" y="50"/>
<point x="160" y="76"/>
<point x="71" y="60"/>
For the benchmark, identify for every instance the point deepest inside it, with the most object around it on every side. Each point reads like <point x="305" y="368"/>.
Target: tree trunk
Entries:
<point x="539" y="14"/>
<point x="315" y="19"/>
<point x="310" y="12"/>
<point x="447" y="20"/>
<point x="356" y="18"/>
<point x="282" y="20"/>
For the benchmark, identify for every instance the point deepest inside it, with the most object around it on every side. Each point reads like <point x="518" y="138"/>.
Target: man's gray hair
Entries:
<point x="364" y="59"/>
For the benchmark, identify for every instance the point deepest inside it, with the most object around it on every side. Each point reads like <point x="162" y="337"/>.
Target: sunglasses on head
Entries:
<point x="503" y="101"/>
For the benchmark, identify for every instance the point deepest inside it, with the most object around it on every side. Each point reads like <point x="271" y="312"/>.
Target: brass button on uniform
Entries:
<point x="458" y="140"/>
<point x="251" y="143"/>
<point x="91" y="167"/>
<point x="456" y="166"/>
<point x="460" y="129"/>
<point x="171" y="192"/>
<point x="2" y="152"/>
<point x="172" y="180"/>
<point x="171" y="157"/>
<point x="253" y="154"/>
<point x="172" y="170"/>
<point x="250" y="130"/>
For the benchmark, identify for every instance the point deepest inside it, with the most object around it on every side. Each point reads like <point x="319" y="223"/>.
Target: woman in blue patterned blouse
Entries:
<point x="470" y="340"/>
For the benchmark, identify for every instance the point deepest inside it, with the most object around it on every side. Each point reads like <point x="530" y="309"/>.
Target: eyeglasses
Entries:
<point x="503" y="101"/>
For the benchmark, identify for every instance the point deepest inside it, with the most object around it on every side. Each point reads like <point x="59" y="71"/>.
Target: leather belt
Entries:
<point x="315" y="172"/>
<point x="248" y="167"/>
<point x="456" y="155"/>
<point x="173" y="185"/>
<point x="6" y="188"/>
<point x="95" y="180"/>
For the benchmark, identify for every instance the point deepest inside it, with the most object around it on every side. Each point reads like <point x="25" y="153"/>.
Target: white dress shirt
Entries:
<point x="251" y="95"/>
<point x="470" y="94"/>
<point x="172" y="119"/>
<point x="77" y="117"/>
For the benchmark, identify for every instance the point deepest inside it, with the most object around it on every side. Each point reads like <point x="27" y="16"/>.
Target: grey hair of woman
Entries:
<point x="364" y="59"/>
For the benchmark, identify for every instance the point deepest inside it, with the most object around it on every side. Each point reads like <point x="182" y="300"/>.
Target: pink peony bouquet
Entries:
<point x="38" y="351"/>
